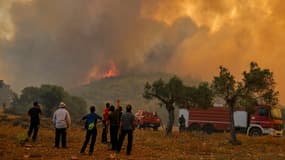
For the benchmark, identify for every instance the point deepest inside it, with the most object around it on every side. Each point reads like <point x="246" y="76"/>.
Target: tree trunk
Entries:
<point x="170" y="122"/>
<point x="233" y="138"/>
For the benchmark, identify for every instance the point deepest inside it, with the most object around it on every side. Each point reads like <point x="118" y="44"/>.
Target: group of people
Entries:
<point x="120" y="124"/>
<point x="114" y="119"/>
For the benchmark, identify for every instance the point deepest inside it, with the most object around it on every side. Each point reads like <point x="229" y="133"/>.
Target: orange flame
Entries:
<point x="95" y="73"/>
<point x="111" y="72"/>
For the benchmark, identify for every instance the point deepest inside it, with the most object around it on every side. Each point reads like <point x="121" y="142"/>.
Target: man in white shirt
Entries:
<point x="61" y="121"/>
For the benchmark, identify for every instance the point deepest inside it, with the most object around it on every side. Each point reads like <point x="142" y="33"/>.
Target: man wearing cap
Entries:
<point x="62" y="121"/>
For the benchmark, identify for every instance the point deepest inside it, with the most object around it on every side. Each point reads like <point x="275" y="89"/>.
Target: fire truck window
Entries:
<point x="263" y="112"/>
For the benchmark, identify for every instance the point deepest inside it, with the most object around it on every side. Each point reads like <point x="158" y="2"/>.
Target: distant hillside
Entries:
<point x="128" y="89"/>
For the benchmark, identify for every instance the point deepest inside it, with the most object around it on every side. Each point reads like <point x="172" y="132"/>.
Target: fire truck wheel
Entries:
<point x="255" y="132"/>
<point x="208" y="128"/>
<point x="194" y="127"/>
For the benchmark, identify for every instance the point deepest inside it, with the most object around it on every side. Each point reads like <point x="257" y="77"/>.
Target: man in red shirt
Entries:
<point x="105" y="122"/>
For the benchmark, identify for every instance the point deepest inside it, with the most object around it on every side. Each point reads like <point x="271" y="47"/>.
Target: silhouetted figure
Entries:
<point x="181" y="123"/>
<point x="127" y="125"/>
<point x="91" y="129"/>
<point x="34" y="113"/>
<point x="114" y="118"/>
<point x="62" y="121"/>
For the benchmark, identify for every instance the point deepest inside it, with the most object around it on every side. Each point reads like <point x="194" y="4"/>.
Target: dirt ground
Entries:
<point x="148" y="144"/>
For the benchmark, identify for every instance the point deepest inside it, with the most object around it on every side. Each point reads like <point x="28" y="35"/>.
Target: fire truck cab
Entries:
<point x="266" y="120"/>
<point x="146" y="119"/>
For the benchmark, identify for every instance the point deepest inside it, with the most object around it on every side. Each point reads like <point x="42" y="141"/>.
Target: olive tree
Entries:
<point x="168" y="93"/>
<point x="175" y="94"/>
<point x="257" y="86"/>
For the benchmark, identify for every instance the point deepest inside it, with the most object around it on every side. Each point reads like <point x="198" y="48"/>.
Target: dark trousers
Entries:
<point x="33" y="129"/>
<point x="114" y="136"/>
<point x="181" y="128"/>
<point x="104" y="132"/>
<point x="130" y="140"/>
<point x="92" y="134"/>
<point x="60" y="133"/>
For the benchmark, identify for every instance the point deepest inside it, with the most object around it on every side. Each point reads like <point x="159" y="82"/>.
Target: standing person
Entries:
<point x="181" y="123"/>
<point x="91" y="130"/>
<point x="114" y="117"/>
<point x="62" y="121"/>
<point x="119" y="110"/>
<point x="105" y="122"/>
<point x="34" y="113"/>
<point x="127" y="125"/>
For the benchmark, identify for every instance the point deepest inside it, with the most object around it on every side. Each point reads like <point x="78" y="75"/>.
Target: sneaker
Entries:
<point x="90" y="153"/>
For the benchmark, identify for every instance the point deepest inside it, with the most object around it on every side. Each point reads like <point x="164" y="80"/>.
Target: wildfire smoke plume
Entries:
<point x="69" y="41"/>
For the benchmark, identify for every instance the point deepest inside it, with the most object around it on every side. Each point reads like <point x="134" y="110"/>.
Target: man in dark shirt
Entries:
<point x="114" y="118"/>
<point x="127" y="125"/>
<point x="91" y="130"/>
<point x="34" y="113"/>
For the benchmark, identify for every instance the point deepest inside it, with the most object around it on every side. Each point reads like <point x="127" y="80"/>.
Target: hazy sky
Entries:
<point x="70" y="42"/>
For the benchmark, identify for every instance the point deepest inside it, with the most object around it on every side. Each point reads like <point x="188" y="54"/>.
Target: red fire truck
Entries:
<point x="265" y="120"/>
<point x="146" y="119"/>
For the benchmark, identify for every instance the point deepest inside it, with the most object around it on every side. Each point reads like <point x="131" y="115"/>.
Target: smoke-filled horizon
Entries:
<point x="71" y="42"/>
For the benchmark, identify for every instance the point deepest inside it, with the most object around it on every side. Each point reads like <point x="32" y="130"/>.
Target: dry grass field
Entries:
<point x="148" y="145"/>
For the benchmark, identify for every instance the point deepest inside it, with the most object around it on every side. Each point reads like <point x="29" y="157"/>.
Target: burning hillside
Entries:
<point x="97" y="73"/>
<point x="111" y="72"/>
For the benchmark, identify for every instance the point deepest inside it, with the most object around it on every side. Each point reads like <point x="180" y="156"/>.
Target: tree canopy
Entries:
<point x="49" y="96"/>
<point x="259" y="84"/>
<point x="199" y="96"/>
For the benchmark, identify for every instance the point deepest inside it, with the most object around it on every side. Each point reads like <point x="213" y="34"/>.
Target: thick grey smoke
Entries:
<point x="61" y="41"/>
